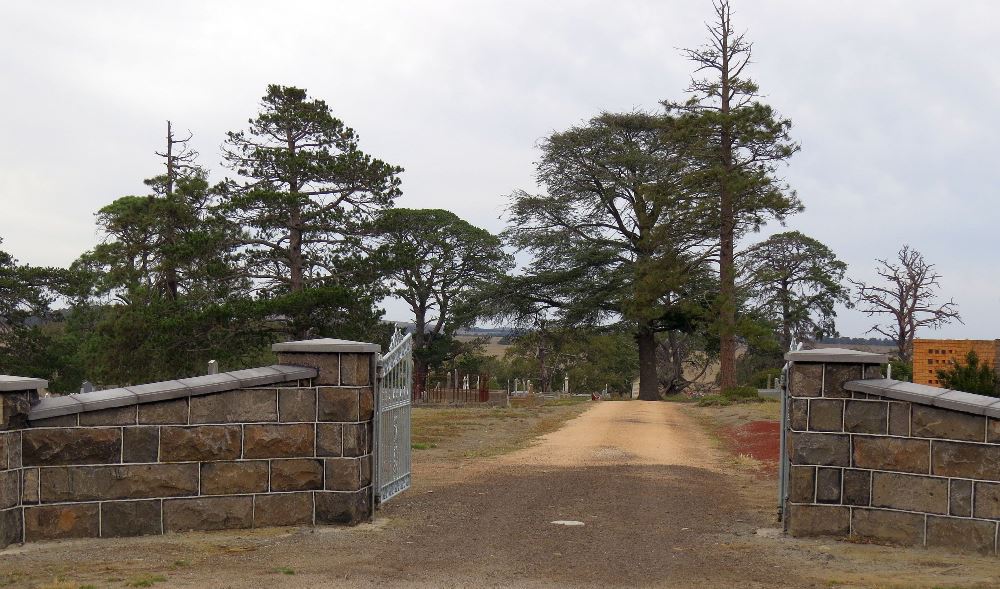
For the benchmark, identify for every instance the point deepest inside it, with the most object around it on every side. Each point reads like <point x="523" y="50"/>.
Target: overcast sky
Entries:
<point x="894" y="103"/>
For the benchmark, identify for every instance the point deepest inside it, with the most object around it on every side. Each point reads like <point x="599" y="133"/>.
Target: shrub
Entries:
<point x="740" y="392"/>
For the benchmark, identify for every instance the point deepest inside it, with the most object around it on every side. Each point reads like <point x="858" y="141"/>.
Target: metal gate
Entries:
<point x="393" y="399"/>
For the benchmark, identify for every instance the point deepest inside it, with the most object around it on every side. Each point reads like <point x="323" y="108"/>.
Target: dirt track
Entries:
<point x="661" y="506"/>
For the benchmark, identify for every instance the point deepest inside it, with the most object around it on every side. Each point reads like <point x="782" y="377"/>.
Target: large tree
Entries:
<point x="907" y="295"/>
<point x="618" y="232"/>
<point x="796" y="282"/>
<point x="306" y="191"/>
<point x="744" y="141"/>
<point x="438" y="264"/>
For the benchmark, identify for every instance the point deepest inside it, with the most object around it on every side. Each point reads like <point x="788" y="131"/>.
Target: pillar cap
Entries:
<point x="21" y="383"/>
<point x="837" y="355"/>
<point x="327" y="346"/>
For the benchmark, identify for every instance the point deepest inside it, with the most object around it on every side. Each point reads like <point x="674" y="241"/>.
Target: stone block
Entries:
<point x="115" y="416"/>
<point x="857" y="487"/>
<point x="10" y="488"/>
<point x="296" y="475"/>
<point x="819" y="449"/>
<point x="50" y="447"/>
<point x="873" y="371"/>
<point x="15" y="456"/>
<point x="328" y="365"/>
<point x="826" y="415"/>
<point x="802" y="484"/>
<point x="343" y="474"/>
<point x="806" y="380"/>
<point x="134" y="481"/>
<point x="366" y="402"/>
<point x="828" y="485"/>
<point x="204" y="442"/>
<point x="338" y="404"/>
<point x="964" y="535"/>
<point x="910" y="492"/>
<point x="993" y="431"/>
<point x="232" y="478"/>
<point x="960" y="498"/>
<point x="283" y="509"/>
<point x="207" y="513"/>
<point x="29" y="486"/>
<point x="122" y="519"/>
<point x="355" y="439"/>
<point x="342" y="508"/>
<point x="239" y="406"/>
<point x="819" y="520"/>
<point x="174" y="412"/>
<point x="895" y="454"/>
<point x="355" y="369"/>
<point x="329" y="439"/>
<point x="967" y="461"/>
<point x="295" y="404"/>
<point x="366" y="470"/>
<point x="866" y="417"/>
<point x="294" y="440"/>
<point x="889" y="527"/>
<point x="932" y="422"/>
<point x="14" y="408"/>
<point x="836" y="375"/>
<point x="3" y="450"/>
<point x="899" y="418"/>
<point x="987" y="500"/>
<point x="11" y="527"/>
<point x="71" y="420"/>
<point x="798" y="414"/>
<point x="56" y="522"/>
<point x="140" y="444"/>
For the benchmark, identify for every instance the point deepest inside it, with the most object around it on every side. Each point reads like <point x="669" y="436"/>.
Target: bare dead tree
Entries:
<point x="907" y="296"/>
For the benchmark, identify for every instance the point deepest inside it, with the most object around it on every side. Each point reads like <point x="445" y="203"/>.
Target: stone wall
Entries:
<point x="887" y="461"/>
<point x="284" y="445"/>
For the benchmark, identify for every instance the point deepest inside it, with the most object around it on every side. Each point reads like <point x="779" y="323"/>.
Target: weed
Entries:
<point x="145" y="580"/>
<point x="284" y="571"/>
<point x="181" y="563"/>
<point x="422" y="445"/>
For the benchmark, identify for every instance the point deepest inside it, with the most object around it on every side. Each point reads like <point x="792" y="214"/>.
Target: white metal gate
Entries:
<point x="393" y="399"/>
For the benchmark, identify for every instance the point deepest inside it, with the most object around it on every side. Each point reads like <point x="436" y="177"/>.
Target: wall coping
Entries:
<point x="834" y="355"/>
<point x="928" y="395"/>
<point x="21" y="383"/>
<point x="327" y="345"/>
<point x="166" y="390"/>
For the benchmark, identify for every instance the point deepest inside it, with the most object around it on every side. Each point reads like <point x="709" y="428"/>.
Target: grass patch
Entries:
<point x="422" y="446"/>
<point x="284" y="571"/>
<point x="145" y="580"/>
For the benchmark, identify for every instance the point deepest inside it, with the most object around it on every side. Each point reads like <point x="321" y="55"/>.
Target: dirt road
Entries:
<point x="660" y="501"/>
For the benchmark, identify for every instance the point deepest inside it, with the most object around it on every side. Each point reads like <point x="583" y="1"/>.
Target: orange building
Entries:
<point x="931" y="355"/>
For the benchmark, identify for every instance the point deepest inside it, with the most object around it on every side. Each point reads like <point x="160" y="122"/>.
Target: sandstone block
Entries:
<point x="857" y="487"/>
<point x="329" y="439"/>
<point x="296" y="475"/>
<point x="910" y="492"/>
<point x="29" y="486"/>
<point x="819" y="520"/>
<point x="15" y="456"/>
<point x="899" y="419"/>
<point x="806" y="380"/>
<point x="121" y="519"/>
<point x="933" y="422"/>
<point x="338" y="404"/>
<point x="366" y="400"/>
<point x="10" y="488"/>
<point x="798" y="414"/>
<point x="134" y="481"/>
<point x="328" y="365"/>
<point x="173" y="412"/>
<point x="279" y="441"/>
<point x="967" y="461"/>
<point x="965" y="535"/>
<point x="355" y="369"/>
<point x="826" y="415"/>
<point x="866" y="417"/>
<point x="115" y="416"/>
<point x="296" y="404"/>
<point x="207" y="513"/>
<point x="988" y="500"/>
<point x="204" y="442"/>
<point x="3" y="450"/>
<point x="11" y="527"/>
<point x="819" y="449"/>
<point x="993" y="431"/>
<point x="896" y="454"/>
<point x="343" y="474"/>
<point x="828" y="485"/>
<point x="342" y="508"/>
<point x="355" y="439"/>
<point x="60" y="421"/>
<point x="802" y="484"/>
<point x="889" y="527"/>
<point x="231" y="478"/>
<point x="835" y="377"/>
<point x="49" y="447"/>
<point x="55" y="522"/>
<point x="140" y="444"/>
<point x="239" y="406"/>
<point x="366" y="470"/>
<point x="960" y="498"/>
<point x="283" y="509"/>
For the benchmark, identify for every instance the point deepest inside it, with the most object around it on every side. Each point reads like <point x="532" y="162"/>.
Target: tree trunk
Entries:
<point x="786" y="330"/>
<point x="727" y="265"/>
<point x="419" y="343"/>
<point x="648" y="389"/>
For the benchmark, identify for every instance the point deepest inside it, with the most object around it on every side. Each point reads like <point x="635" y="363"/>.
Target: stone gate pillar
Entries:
<point x="16" y="397"/>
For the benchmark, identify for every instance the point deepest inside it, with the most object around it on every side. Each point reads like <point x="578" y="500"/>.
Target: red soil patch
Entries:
<point x="758" y="439"/>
